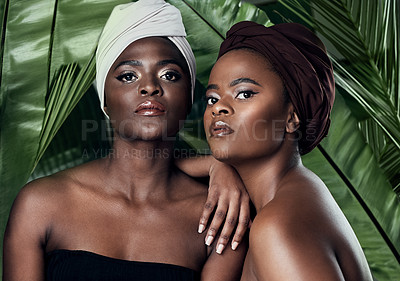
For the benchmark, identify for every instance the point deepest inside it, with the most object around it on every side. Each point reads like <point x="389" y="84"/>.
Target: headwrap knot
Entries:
<point x="300" y="58"/>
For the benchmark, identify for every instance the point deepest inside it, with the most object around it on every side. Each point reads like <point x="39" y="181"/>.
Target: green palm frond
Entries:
<point x="69" y="86"/>
<point x="345" y="163"/>
<point x="354" y="162"/>
<point x="365" y="33"/>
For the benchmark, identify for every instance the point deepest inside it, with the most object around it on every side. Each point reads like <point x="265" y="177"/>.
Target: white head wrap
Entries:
<point x="133" y="21"/>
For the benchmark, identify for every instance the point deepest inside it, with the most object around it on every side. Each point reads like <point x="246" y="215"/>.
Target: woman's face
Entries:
<point x="147" y="90"/>
<point x="246" y="113"/>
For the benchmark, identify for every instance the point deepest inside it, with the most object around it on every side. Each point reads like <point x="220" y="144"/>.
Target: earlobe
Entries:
<point x="293" y="121"/>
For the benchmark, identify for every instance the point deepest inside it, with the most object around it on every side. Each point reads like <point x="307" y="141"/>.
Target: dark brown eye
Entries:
<point x="245" y="95"/>
<point x="127" y="77"/>
<point x="211" y="100"/>
<point x="171" y="76"/>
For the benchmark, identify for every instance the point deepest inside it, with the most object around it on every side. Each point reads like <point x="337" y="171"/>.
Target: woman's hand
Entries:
<point x="227" y="196"/>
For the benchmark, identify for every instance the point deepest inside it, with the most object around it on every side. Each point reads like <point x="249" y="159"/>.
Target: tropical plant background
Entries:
<point x="51" y="120"/>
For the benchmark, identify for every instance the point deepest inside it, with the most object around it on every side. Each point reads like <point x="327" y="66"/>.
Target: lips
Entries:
<point x="150" y="108"/>
<point x="220" y="128"/>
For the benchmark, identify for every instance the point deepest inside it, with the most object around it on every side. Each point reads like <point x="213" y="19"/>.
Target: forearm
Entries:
<point x="198" y="166"/>
<point x="227" y="266"/>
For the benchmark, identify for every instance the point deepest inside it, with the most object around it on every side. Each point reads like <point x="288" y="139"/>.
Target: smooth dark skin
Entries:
<point x="134" y="204"/>
<point x="299" y="232"/>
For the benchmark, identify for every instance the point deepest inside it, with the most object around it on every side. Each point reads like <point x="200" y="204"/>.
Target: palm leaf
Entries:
<point x="24" y="78"/>
<point x="366" y="34"/>
<point x="82" y="137"/>
<point x="373" y="213"/>
<point x="68" y="87"/>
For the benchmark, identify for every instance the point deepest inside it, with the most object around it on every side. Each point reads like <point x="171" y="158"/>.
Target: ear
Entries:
<point x="292" y="121"/>
<point x="105" y="104"/>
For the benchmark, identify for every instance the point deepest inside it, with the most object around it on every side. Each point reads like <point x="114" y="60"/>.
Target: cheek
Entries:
<point x="178" y="102"/>
<point x="117" y="96"/>
<point x="207" y="120"/>
<point x="119" y="105"/>
<point x="259" y="133"/>
<point x="263" y="127"/>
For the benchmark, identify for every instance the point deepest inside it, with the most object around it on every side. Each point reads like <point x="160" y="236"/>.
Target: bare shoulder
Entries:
<point x="37" y="194"/>
<point x="30" y="224"/>
<point x="302" y="202"/>
<point x="32" y="212"/>
<point x="49" y="188"/>
<point x="187" y="187"/>
<point x="41" y="197"/>
<point x="33" y="202"/>
<point x="304" y="231"/>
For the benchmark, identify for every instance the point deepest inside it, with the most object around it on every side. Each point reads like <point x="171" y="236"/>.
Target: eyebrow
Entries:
<point x="233" y="83"/>
<point x="139" y="63"/>
<point x="170" y="61"/>
<point x="129" y="62"/>
<point x="212" y="87"/>
<point x="243" y="80"/>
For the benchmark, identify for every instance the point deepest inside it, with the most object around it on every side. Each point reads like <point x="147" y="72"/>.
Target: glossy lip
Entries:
<point x="150" y="108"/>
<point x="220" y="128"/>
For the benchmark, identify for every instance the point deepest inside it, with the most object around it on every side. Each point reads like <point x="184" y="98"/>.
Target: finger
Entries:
<point x="229" y="226"/>
<point x="209" y="207"/>
<point x="219" y="217"/>
<point x="242" y="226"/>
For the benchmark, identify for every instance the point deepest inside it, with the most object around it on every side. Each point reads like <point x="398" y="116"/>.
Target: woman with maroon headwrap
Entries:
<point x="269" y="98"/>
<point x="268" y="101"/>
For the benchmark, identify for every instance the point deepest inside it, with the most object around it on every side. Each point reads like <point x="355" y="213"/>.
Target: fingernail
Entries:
<point x="209" y="240"/>
<point x="201" y="228"/>
<point x="220" y="248"/>
<point x="234" y="245"/>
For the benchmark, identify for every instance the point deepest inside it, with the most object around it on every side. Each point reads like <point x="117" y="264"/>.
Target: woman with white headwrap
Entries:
<point x="130" y="215"/>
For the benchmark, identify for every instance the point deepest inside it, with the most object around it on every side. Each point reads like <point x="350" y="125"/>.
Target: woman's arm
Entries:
<point x="227" y="197"/>
<point x="24" y="238"/>
<point x="226" y="266"/>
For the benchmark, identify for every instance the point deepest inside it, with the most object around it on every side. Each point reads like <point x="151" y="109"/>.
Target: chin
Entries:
<point x="222" y="155"/>
<point x="141" y="136"/>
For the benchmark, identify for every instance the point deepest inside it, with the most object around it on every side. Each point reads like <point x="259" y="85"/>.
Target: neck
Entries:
<point x="139" y="168"/>
<point x="263" y="176"/>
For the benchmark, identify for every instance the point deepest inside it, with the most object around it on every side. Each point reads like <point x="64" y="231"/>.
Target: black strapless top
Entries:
<point x="77" y="265"/>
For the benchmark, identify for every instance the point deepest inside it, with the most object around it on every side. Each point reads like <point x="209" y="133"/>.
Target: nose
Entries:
<point x="150" y="86"/>
<point x="221" y="108"/>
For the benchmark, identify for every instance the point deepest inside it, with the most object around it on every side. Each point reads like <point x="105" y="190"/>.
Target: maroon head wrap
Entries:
<point x="300" y="58"/>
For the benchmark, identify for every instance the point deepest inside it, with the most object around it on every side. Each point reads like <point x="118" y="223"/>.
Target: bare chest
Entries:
<point x="141" y="233"/>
